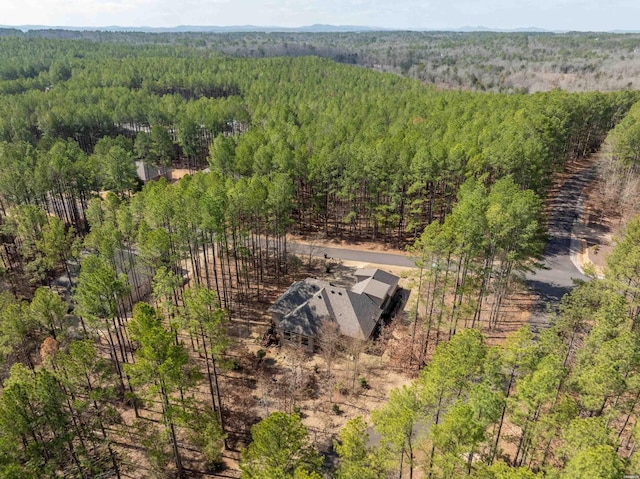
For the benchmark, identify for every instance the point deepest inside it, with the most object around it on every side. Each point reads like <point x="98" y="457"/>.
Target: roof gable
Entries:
<point x="376" y="290"/>
<point x="307" y="304"/>
<point x="377" y="274"/>
<point x="297" y="294"/>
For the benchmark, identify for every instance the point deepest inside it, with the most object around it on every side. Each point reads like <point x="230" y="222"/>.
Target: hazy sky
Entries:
<point x="597" y="15"/>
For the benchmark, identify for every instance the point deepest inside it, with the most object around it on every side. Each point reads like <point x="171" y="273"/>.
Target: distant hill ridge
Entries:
<point x="315" y="28"/>
<point x="319" y="28"/>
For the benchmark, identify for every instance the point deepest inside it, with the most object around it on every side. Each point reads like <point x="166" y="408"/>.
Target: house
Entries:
<point x="300" y="312"/>
<point x="148" y="172"/>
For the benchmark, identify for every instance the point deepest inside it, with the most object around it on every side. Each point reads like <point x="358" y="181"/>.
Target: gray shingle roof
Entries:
<point x="376" y="290"/>
<point x="308" y="317"/>
<point x="306" y="304"/>
<point x="378" y="275"/>
<point x="297" y="294"/>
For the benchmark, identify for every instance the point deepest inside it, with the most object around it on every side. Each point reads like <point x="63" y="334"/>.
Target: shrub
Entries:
<point x="341" y="388"/>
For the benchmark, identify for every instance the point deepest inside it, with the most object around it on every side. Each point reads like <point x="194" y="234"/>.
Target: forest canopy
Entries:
<point x="367" y="153"/>
<point x="122" y="297"/>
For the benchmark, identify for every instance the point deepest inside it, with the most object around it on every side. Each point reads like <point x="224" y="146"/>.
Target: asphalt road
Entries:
<point x="550" y="283"/>
<point x="559" y="271"/>
<point x="374" y="257"/>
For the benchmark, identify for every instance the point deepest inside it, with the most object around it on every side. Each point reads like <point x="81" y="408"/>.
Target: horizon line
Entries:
<point x="247" y="28"/>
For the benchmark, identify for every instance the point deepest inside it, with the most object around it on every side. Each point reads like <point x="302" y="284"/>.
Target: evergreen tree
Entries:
<point x="280" y="448"/>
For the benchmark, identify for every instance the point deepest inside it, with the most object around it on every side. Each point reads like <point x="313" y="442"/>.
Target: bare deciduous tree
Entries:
<point x="329" y="341"/>
<point x="354" y="349"/>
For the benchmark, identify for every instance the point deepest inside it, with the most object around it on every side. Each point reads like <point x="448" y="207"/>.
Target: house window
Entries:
<point x="304" y="340"/>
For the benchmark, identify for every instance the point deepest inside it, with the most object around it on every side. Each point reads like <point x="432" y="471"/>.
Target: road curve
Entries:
<point x="556" y="278"/>
<point x="549" y="284"/>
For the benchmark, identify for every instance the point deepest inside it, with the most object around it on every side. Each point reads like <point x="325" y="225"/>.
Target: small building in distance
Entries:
<point x="301" y="310"/>
<point x="148" y="172"/>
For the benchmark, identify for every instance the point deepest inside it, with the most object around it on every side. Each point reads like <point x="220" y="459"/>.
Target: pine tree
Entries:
<point x="280" y="449"/>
